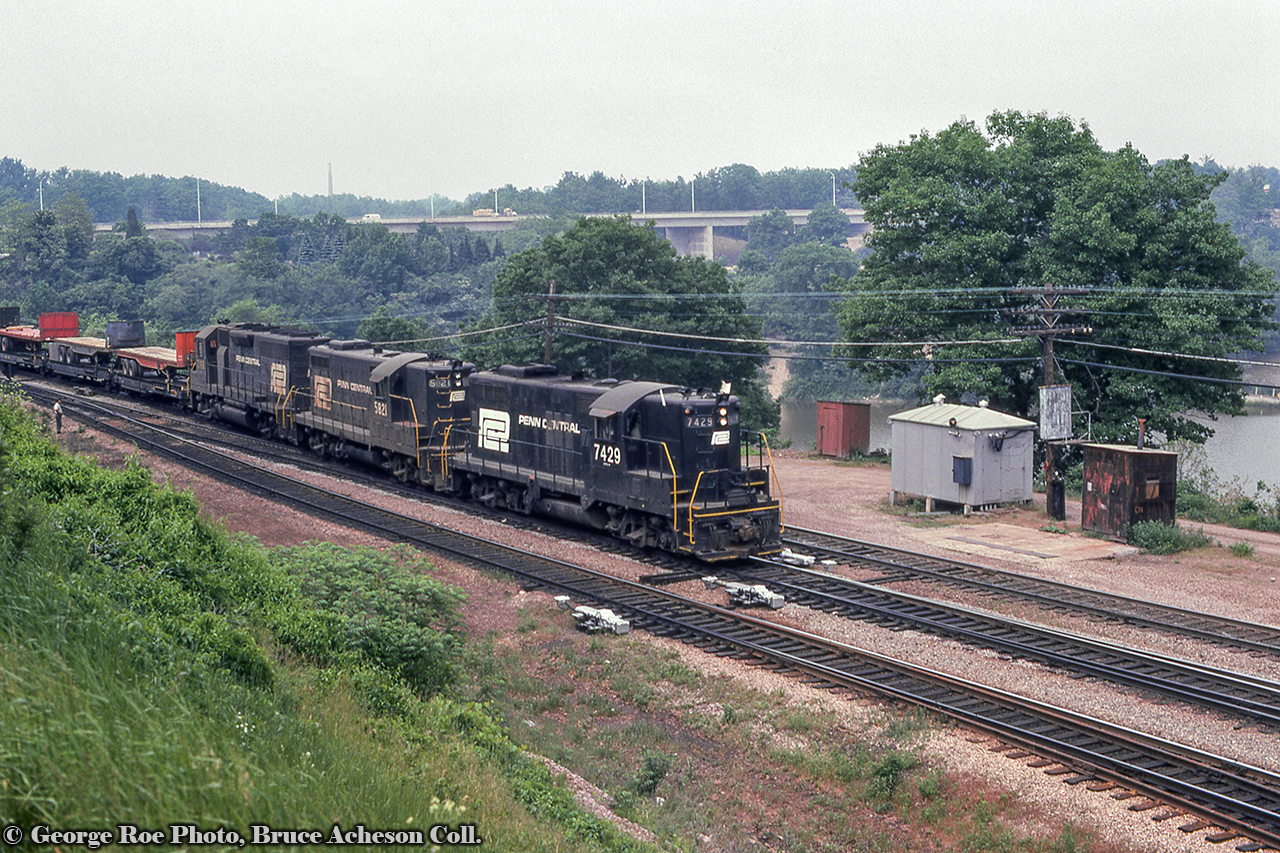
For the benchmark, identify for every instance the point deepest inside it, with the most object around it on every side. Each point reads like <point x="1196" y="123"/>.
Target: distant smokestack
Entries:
<point x="330" y="180"/>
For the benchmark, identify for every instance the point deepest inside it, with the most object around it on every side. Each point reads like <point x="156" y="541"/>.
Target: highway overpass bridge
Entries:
<point x="691" y="233"/>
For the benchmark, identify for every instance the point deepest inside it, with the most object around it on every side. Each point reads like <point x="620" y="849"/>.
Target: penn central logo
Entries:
<point x="495" y="430"/>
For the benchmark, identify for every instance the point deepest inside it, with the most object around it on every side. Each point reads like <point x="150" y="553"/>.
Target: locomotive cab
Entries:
<point x="692" y="442"/>
<point x="652" y="463"/>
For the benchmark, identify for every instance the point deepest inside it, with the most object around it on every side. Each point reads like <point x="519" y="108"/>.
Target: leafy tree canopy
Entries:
<point x="964" y="218"/>
<point x="611" y="272"/>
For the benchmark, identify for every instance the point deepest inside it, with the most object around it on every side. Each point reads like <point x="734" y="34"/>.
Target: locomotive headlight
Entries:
<point x="724" y="422"/>
<point x="723" y="411"/>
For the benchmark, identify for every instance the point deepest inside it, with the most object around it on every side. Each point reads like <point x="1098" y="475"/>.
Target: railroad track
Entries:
<point x="1237" y="694"/>
<point x="893" y="565"/>
<point x="1243" y="801"/>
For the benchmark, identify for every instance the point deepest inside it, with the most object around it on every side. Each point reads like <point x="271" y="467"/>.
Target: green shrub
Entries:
<point x="887" y="775"/>
<point x="651" y="773"/>
<point x="1155" y="537"/>
<point x="386" y="606"/>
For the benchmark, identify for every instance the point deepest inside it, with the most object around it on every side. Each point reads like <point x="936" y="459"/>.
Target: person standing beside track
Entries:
<point x="57" y="415"/>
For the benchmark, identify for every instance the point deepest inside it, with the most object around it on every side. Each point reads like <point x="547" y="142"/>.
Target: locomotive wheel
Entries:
<point x="404" y="469"/>
<point x="518" y="500"/>
<point x="667" y="539"/>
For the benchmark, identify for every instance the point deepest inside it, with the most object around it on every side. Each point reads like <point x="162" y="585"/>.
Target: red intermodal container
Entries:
<point x="60" y="324"/>
<point x="185" y="346"/>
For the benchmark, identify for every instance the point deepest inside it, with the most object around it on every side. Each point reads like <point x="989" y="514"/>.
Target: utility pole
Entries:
<point x="1046" y="314"/>
<point x="551" y="322"/>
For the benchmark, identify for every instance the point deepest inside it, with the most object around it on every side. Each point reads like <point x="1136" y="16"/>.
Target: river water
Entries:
<point x="1245" y="449"/>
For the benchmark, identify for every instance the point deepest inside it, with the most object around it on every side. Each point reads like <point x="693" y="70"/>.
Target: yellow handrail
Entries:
<point x="777" y="484"/>
<point x="444" y="454"/>
<point x="693" y="499"/>
<point x="675" y="508"/>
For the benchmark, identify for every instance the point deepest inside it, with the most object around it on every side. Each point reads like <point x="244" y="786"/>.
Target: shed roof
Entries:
<point x="1129" y="448"/>
<point x="967" y="417"/>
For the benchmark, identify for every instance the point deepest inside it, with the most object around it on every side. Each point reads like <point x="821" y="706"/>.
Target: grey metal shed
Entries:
<point x="968" y="455"/>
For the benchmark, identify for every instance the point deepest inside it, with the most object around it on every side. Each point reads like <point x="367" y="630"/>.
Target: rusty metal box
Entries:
<point x="1124" y="485"/>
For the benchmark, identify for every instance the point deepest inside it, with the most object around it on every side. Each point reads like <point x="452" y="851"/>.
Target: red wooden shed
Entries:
<point x="843" y="429"/>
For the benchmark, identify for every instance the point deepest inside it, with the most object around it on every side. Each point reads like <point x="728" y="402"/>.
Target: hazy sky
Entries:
<point x="407" y="99"/>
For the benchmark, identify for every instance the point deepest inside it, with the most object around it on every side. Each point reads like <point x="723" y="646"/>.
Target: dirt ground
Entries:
<point x="851" y="499"/>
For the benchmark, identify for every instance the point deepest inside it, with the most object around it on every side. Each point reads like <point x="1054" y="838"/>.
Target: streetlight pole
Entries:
<point x="833" y="188"/>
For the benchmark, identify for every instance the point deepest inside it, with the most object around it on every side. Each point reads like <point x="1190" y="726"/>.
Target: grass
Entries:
<point x="1155" y="537"/>
<point x="1204" y="498"/>
<point x="155" y="671"/>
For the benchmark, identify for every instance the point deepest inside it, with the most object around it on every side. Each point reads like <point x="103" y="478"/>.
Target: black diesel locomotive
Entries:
<point x="654" y="464"/>
<point x="657" y="465"/>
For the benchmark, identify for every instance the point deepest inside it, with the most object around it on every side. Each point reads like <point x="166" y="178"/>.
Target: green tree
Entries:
<point x="827" y="224"/>
<point x="132" y="228"/>
<point x="397" y="330"/>
<point x="137" y="259"/>
<point x="380" y="259"/>
<point x="611" y="272"/>
<point x="77" y="224"/>
<point x="799" y="307"/>
<point x="261" y="258"/>
<point x="963" y="218"/>
<point x="770" y="233"/>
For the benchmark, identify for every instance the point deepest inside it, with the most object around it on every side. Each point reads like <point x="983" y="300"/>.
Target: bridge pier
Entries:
<point x="695" y="240"/>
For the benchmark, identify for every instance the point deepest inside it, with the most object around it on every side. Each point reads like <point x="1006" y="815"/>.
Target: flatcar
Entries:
<point x="654" y="464"/>
<point x="121" y="360"/>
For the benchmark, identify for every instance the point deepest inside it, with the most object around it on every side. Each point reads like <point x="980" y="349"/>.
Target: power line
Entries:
<point x="690" y="336"/>
<point x="795" y="357"/>
<point x="1169" y="374"/>
<point x="1140" y="351"/>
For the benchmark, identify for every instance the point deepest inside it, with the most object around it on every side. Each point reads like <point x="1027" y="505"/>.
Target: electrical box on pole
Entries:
<point x="1055" y="399"/>
<point x="1055" y="412"/>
